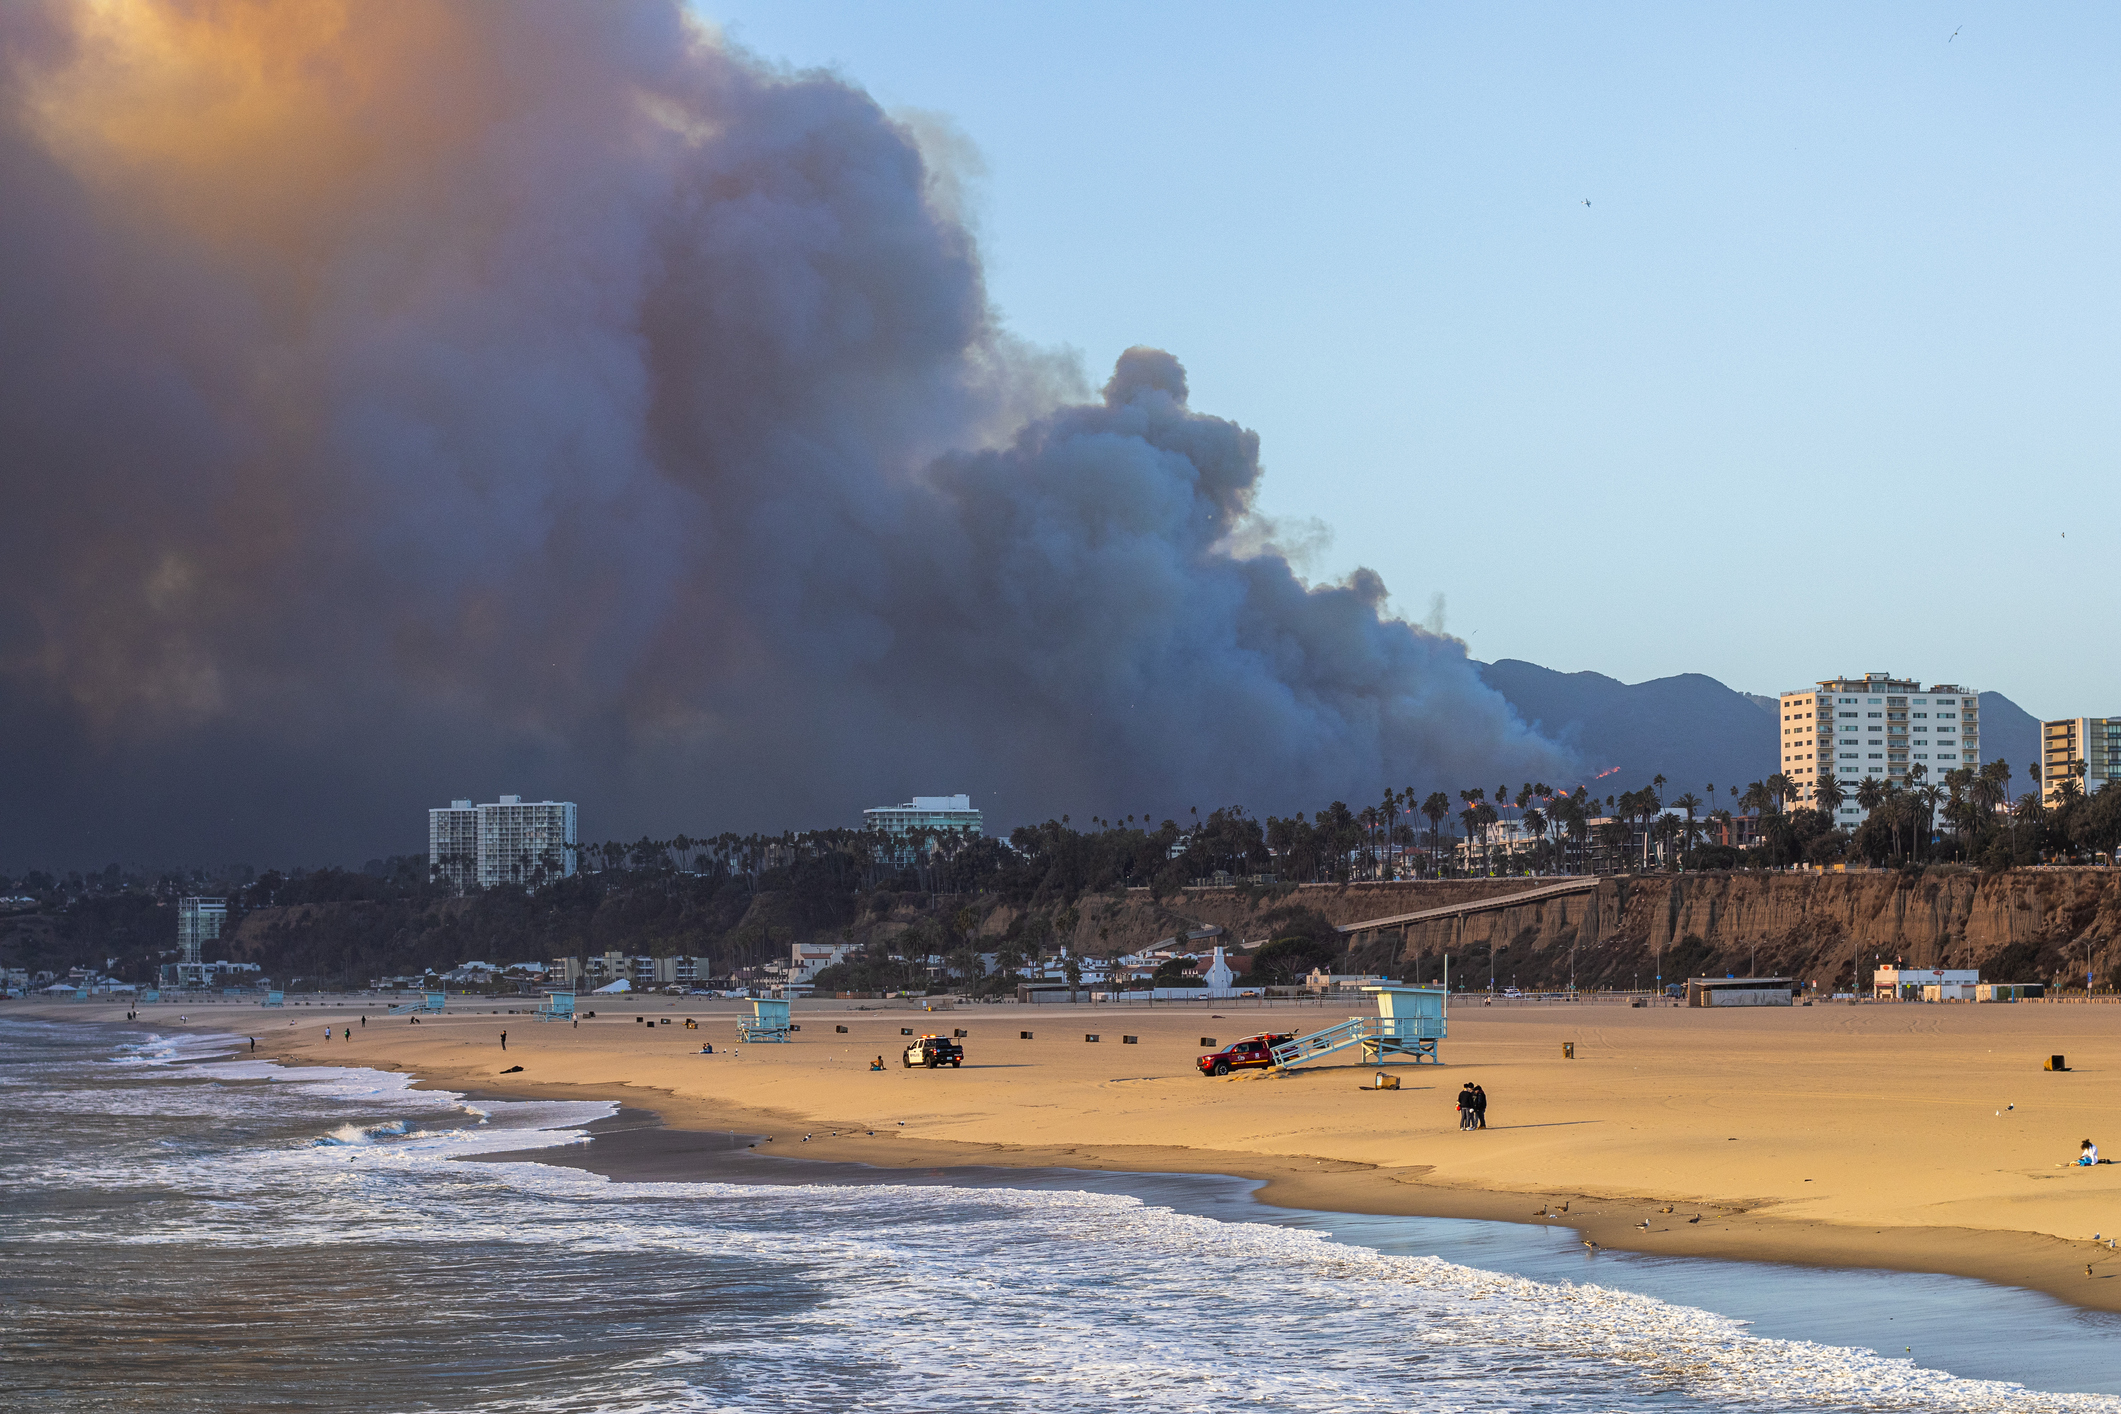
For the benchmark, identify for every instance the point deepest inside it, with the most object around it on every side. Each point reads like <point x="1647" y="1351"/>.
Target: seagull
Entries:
<point x="1695" y="1219"/>
<point x="1586" y="201"/>
<point x="1644" y="1224"/>
<point x="1564" y="1207"/>
<point x="1591" y="1246"/>
<point x="1666" y="1208"/>
<point x="1955" y="34"/>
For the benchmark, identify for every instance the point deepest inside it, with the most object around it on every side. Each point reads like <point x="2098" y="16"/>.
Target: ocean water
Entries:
<point x="188" y="1229"/>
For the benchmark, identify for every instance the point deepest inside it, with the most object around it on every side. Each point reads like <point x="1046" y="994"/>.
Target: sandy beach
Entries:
<point x="1918" y="1138"/>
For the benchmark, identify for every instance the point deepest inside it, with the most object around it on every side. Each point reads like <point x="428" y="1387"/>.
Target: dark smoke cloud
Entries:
<point x="415" y="400"/>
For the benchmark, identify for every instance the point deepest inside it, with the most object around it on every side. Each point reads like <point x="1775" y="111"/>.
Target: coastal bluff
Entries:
<point x="2021" y="925"/>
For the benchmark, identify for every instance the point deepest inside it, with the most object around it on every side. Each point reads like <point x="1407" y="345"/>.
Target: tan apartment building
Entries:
<point x="1876" y="725"/>
<point x="2084" y="749"/>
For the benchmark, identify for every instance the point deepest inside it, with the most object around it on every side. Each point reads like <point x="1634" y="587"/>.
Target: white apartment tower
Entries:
<point x="199" y="922"/>
<point x="2086" y="750"/>
<point x="512" y="841"/>
<point x="453" y="845"/>
<point x="1876" y="725"/>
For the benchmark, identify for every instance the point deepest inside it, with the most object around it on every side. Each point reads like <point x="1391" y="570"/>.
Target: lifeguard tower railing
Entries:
<point x="556" y="1006"/>
<point x="768" y="1021"/>
<point x="274" y="999"/>
<point x="1409" y="1023"/>
<point x="428" y="1002"/>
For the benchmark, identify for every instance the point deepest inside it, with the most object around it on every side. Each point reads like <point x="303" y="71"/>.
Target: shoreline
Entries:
<point x="1309" y="1166"/>
<point x="1727" y="1233"/>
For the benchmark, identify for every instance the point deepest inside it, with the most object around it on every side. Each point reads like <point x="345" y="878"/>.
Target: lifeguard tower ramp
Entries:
<point x="274" y="999"/>
<point x="428" y="1002"/>
<point x="556" y="1006"/>
<point x="768" y="1021"/>
<point x="1409" y="1023"/>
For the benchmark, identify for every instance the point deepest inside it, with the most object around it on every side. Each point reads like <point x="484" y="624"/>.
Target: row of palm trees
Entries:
<point x="1553" y="819"/>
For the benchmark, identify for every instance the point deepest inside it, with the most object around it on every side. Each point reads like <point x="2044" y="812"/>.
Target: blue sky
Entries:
<point x="1787" y="399"/>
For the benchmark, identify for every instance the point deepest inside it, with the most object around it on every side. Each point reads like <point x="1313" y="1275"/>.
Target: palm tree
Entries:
<point x="1579" y="821"/>
<point x="1535" y="823"/>
<point x="1723" y="818"/>
<point x="1779" y="786"/>
<point x="1436" y="807"/>
<point x="1656" y="799"/>
<point x="1827" y="796"/>
<point x="1925" y="798"/>
<point x="1689" y="803"/>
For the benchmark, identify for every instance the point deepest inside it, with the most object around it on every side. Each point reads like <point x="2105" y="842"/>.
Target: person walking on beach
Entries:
<point x="1480" y="1108"/>
<point x="504" y="1040"/>
<point x="254" y="1043"/>
<point x="1466" y="1116"/>
<point x="364" y="1021"/>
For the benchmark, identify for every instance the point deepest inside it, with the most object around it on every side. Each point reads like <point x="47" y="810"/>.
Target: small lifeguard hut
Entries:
<point x="768" y="1021"/>
<point x="274" y="999"/>
<point x="1409" y="1023"/>
<point x="556" y="1006"/>
<point x="428" y="1002"/>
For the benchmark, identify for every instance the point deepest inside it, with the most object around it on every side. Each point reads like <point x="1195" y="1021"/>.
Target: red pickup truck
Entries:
<point x="1253" y="1050"/>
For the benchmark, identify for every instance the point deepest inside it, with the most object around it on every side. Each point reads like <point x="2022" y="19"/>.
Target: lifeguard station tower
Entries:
<point x="428" y="1002"/>
<point x="1409" y="1023"/>
<point x="768" y="1021"/>
<point x="274" y="999"/>
<point x="556" y="1006"/>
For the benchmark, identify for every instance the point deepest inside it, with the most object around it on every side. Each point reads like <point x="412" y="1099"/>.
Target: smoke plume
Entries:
<point x="418" y="400"/>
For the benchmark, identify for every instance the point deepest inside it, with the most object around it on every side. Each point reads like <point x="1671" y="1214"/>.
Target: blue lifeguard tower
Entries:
<point x="556" y="1006"/>
<point x="428" y="1002"/>
<point x="150" y="994"/>
<point x="768" y="1021"/>
<point x="274" y="999"/>
<point x="1409" y="1023"/>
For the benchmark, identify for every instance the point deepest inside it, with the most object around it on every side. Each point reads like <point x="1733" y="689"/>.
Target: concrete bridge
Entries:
<point x="1579" y="885"/>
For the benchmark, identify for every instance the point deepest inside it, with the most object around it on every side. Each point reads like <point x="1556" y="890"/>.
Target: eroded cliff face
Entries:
<point x="2025" y="925"/>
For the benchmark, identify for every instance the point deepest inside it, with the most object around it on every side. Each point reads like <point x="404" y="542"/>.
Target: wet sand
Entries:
<point x="1913" y="1138"/>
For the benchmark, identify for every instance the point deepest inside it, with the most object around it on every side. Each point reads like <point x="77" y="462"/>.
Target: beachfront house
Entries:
<point x="1919" y="984"/>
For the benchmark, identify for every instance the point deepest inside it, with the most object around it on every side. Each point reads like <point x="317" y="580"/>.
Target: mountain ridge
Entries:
<point x="1692" y="728"/>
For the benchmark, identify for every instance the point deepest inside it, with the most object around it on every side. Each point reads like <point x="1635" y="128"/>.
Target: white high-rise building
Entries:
<point x="512" y="841"/>
<point x="199" y="922"/>
<point x="1876" y="725"/>
<point x="948" y="813"/>
<point x="453" y="844"/>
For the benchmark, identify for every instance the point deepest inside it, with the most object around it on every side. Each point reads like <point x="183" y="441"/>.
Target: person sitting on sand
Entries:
<point x="2089" y="1155"/>
<point x="877" y="1064"/>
